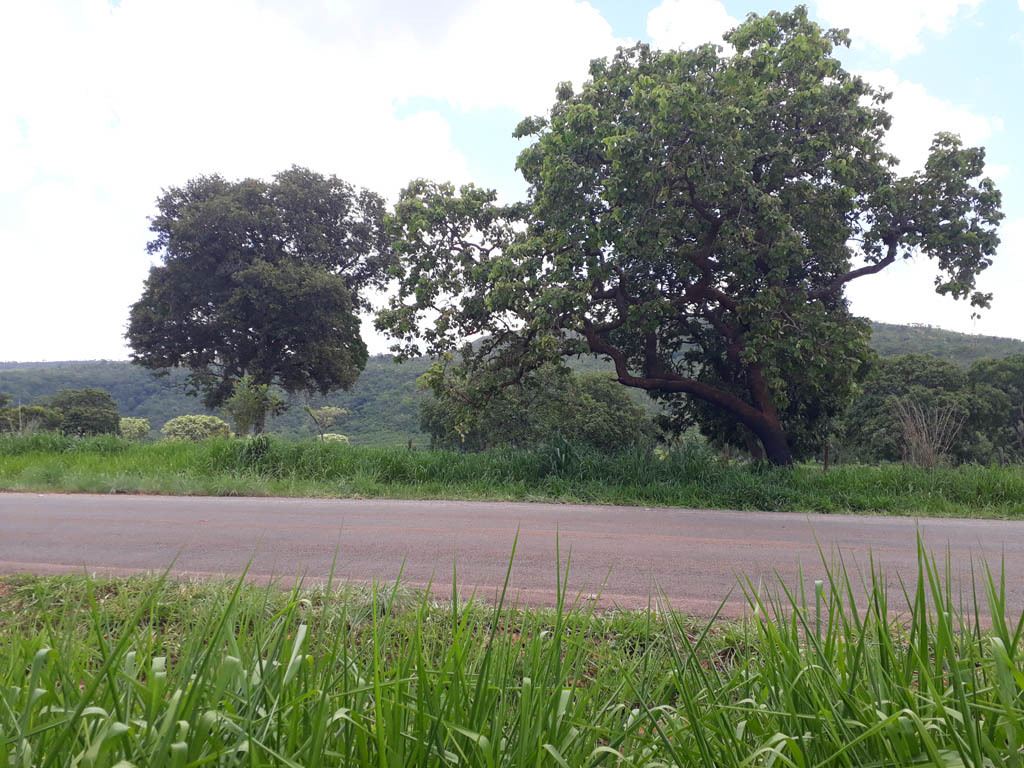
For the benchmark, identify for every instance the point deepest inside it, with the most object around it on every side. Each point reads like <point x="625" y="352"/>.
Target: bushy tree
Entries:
<point x="260" y="280"/>
<point x="28" y="419"/>
<point x="134" y="429"/>
<point x="547" y="404"/>
<point x="88" y="411"/>
<point x="691" y="217"/>
<point x="250" y="404"/>
<point x="325" y="417"/>
<point x="195" y="427"/>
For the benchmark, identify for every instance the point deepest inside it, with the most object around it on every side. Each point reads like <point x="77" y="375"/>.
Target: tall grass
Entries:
<point x="689" y="476"/>
<point x="153" y="673"/>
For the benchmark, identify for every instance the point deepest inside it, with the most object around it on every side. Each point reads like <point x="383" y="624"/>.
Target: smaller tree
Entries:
<point x="548" y="404"/>
<point x="134" y="429"/>
<point x="250" y="405"/>
<point x="324" y="418"/>
<point x="86" y="412"/>
<point x="29" y="419"/>
<point x="195" y="427"/>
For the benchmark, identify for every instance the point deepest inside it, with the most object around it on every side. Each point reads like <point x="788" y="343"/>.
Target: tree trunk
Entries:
<point x="776" y="446"/>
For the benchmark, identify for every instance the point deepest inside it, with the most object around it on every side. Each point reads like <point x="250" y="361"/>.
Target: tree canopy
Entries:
<point x="695" y="217"/>
<point x="261" y="279"/>
<point x="985" y="403"/>
<point x="85" y="412"/>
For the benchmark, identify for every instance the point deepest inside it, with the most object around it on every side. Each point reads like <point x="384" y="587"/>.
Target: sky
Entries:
<point x="105" y="103"/>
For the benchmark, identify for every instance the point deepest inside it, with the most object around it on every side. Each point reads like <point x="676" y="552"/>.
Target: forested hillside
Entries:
<point x="384" y="403"/>
<point x="960" y="348"/>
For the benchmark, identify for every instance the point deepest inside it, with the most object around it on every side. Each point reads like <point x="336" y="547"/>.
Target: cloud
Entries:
<point x="918" y="116"/>
<point x="894" y="26"/>
<point x="502" y="54"/>
<point x="112" y="103"/>
<point x="688" y="23"/>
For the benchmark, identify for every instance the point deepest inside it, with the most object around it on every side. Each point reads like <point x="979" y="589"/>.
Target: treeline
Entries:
<point x="912" y="406"/>
<point x="383" y="405"/>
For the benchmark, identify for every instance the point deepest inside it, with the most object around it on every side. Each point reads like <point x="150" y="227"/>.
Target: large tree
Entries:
<point x="261" y="280"/>
<point x="694" y="218"/>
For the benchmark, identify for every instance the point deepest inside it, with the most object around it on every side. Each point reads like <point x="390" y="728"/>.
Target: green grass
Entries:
<point x="687" y="477"/>
<point x="149" y="672"/>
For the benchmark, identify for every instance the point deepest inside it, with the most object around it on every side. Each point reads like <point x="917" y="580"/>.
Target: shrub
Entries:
<point x="195" y="426"/>
<point x="134" y="429"/>
<point x="332" y="437"/>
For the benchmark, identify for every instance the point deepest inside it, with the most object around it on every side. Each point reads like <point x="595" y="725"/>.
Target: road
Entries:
<point x="626" y="554"/>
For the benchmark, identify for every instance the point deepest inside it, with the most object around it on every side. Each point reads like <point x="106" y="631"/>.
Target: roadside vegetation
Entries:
<point x="689" y="475"/>
<point x="385" y="403"/>
<point x="150" y="672"/>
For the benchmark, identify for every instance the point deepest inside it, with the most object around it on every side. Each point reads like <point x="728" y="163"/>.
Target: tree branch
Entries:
<point x="671" y="382"/>
<point x="853" y="274"/>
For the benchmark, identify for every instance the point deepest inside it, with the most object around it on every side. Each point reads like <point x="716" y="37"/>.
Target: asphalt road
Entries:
<point x="627" y="554"/>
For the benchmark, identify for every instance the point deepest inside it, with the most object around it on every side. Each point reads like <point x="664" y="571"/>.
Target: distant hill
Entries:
<point x="960" y="348"/>
<point x="384" y="403"/>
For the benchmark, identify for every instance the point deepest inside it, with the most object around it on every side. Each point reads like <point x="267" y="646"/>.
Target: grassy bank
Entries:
<point x="689" y="477"/>
<point x="148" y="673"/>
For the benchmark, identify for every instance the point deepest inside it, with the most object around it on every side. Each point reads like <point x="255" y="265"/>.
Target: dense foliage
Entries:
<point x="195" y="427"/>
<point x="983" y="406"/>
<point x="550" y="405"/>
<point x="84" y="412"/>
<point x="134" y="429"/>
<point x="261" y="280"/>
<point x="690" y="217"/>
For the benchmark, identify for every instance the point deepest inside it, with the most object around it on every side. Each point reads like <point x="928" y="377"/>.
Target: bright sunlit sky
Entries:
<point x="104" y="103"/>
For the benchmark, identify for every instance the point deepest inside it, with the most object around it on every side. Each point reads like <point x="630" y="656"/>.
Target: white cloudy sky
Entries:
<point x="104" y="103"/>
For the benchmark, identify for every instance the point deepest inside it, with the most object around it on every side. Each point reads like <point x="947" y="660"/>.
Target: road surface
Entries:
<point x="627" y="554"/>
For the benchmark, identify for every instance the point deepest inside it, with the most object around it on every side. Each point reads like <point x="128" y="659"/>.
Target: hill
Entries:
<point x="384" y="403"/>
<point x="960" y="348"/>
